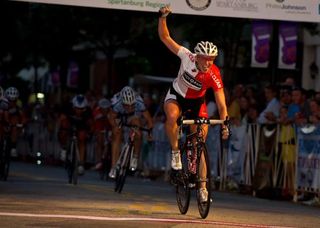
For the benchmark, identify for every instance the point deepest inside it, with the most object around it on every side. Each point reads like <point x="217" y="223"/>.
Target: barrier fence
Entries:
<point x="261" y="157"/>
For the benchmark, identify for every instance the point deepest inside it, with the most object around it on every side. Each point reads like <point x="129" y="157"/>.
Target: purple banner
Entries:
<point x="287" y="45"/>
<point x="261" y="35"/>
<point x="73" y="75"/>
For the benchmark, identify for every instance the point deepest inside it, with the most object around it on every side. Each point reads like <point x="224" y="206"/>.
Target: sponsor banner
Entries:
<point x="73" y="75"/>
<point x="287" y="45"/>
<point x="308" y="160"/>
<point x="261" y="35"/>
<point x="288" y="10"/>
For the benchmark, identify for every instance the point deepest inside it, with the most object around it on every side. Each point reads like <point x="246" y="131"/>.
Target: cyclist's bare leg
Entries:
<point x="172" y="111"/>
<point x="116" y="143"/>
<point x="82" y="146"/>
<point x="203" y="167"/>
<point x="138" y="136"/>
<point x="14" y="131"/>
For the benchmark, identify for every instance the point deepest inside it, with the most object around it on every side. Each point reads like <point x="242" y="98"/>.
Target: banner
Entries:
<point x="261" y="35"/>
<point x="287" y="10"/>
<point x="308" y="161"/>
<point x="73" y="75"/>
<point x="287" y="45"/>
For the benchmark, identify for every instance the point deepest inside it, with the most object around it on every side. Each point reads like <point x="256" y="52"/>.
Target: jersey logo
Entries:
<point x="216" y="80"/>
<point x="191" y="82"/>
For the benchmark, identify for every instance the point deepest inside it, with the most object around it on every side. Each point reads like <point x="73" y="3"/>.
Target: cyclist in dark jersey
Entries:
<point x="15" y="117"/>
<point x="80" y="117"/>
<point x="197" y="74"/>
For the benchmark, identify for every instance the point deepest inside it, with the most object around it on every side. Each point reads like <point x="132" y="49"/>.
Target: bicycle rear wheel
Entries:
<point x="4" y="161"/>
<point x="121" y="172"/>
<point x="203" y="207"/>
<point x="182" y="185"/>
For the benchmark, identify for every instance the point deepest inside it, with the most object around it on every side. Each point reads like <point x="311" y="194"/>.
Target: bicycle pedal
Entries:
<point x="211" y="200"/>
<point x="192" y="185"/>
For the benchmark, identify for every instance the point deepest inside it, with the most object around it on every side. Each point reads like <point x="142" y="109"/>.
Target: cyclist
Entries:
<point x="127" y="108"/>
<point x="4" y="104"/>
<point x="101" y="129"/>
<point x="79" y="117"/>
<point x="15" y="118"/>
<point x="197" y="74"/>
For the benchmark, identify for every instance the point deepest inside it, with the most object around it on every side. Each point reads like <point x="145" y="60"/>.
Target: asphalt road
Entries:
<point x="39" y="196"/>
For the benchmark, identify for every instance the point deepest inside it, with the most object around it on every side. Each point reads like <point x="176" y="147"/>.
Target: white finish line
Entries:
<point x="100" y="218"/>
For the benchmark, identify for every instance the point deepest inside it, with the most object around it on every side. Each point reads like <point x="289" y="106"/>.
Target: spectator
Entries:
<point x="271" y="111"/>
<point x="252" y="114"/>
<point x="285" y="95"/>
<point x="295" y="110"/>
<point x="234" y="106"/>
<point x="251" y="94"/>
<point x="314" y="116"/>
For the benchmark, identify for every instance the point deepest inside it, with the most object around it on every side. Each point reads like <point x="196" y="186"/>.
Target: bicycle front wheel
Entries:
<point x="121" y="172"/>
<point x="203" y="181"/>
<point x="72" y="164"/>
<point x="182" y="185"/>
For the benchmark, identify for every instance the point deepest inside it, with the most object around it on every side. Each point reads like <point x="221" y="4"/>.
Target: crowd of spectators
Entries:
<point x="285" y="103"/>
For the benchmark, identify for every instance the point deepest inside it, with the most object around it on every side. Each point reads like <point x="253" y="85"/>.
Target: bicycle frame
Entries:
<point x="193" y="149"/>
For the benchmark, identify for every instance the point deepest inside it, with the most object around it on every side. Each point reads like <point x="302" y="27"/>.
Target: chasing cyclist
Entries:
<point x="15" y="118"/>
<point x="127" y="108"/>
<point x="101" y="130"/>
<point x="197" y="74"/>
<point x="80" y="117"/>
<point x="4" y="104"/>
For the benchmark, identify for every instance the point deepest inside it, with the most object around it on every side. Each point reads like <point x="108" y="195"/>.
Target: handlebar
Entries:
<point x="137" y="127"/>
<point x="203" y="121"/>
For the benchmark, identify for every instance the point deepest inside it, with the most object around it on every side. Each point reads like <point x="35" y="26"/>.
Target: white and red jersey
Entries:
<point x="190" y="82"/>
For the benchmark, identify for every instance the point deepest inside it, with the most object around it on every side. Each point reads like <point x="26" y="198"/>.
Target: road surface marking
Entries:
<point x="100" y="218"/>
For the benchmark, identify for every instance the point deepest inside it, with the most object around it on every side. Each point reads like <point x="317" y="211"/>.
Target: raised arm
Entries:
<point x="164" y="32"/>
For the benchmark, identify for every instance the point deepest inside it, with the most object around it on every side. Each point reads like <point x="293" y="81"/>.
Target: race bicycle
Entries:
<point x="5" y="156"/>
<point x="72" y="158"/>
<point x="194" y="157"/>
<point x="123" y="163"/>
<point x="106" y="156"/>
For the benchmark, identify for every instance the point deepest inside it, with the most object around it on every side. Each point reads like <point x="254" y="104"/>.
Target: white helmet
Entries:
<point x="206" y="48"/>
<point x="79" y="101"/>
<point x="11" y="93"/>
<point x="128" y="96"/>
<point x="104" y="103"/>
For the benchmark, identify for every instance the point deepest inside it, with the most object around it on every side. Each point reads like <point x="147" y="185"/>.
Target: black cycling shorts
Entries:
<point x="191" y="108"/>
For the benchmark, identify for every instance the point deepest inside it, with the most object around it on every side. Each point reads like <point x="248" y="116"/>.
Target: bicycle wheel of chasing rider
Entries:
<point x="182" y="185"/>
<point x="4" y="161"/>
<point x="121" y="172"/>
<point x="72" y="164"/>
<point x="203" y="207"/>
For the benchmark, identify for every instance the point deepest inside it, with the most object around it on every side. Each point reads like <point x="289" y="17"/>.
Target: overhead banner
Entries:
<point x="288" y="36"/>
<point x="287" y="10"/>
<point x="261" y="35"/>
